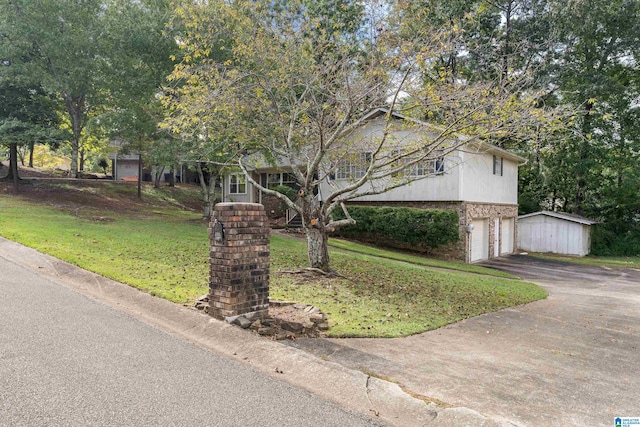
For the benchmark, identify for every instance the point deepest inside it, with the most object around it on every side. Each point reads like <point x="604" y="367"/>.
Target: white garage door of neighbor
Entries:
<point x="508" y="227"/>
<point x="480" y="239"/>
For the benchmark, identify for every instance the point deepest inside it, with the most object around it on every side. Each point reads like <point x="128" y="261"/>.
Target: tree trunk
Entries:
<point x="82" y="152"/>
<point x="21" y="157"/>
<point x="504" y="73"/>
<point x="208" y="191"/>
<point x="75" y="107"/>
<point x="31" y="146"/>
<point x="584" y="157"/>
<point x="317" y="247"/>
<point x="139" y="176"/>
<point x="158" y="177"/>
<point x="13" y="166"/>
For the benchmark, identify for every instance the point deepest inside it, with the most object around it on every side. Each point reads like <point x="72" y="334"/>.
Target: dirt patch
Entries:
<point x="286" y="320"/>
<point x="83" y="198"/>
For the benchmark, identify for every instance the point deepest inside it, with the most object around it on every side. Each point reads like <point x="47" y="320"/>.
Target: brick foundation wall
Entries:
<point x="239" y="268"/>
<point x="466" y="212"/>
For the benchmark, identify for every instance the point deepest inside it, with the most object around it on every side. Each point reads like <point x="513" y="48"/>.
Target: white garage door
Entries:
<point x="480" y="239"/>
<point x="508" y="228"/>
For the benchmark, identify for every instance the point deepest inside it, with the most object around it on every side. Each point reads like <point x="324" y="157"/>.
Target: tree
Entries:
<point x="60" y="45"/>
<point x="294" y="94"/>
<point x="139" y="37"/>
<point x="27" y="117"/>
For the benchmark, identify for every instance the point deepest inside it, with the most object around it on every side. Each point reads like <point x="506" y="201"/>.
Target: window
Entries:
<point x="497" y="165"/>
<point x="237" y="184"/>
<point x="428" y="167"/>
<point x="273" y="180"/>
<point x="353" y="167"/>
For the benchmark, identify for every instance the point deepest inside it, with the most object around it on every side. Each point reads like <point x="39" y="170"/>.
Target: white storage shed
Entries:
<point x="555" y="232"/>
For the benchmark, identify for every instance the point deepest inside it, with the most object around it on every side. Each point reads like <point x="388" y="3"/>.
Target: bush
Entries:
<point x="291" y="193"/>
<point x="402" y="227"/>
<point x="275" y="207"/>
<point x="607" y="242"/>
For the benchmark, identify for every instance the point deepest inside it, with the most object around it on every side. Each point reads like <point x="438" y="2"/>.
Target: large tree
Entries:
<point x="294" y="91"/>
<point x="59" y="44"/>
<point x="28" y="116"/>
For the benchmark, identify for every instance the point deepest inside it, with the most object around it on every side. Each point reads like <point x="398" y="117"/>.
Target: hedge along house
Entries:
<point x="555" y="232"/>
<point x="476" y="179"/>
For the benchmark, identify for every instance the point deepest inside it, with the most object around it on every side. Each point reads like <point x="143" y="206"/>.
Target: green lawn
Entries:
<point x="165" y="252"/>
<point x="416" y="259"/>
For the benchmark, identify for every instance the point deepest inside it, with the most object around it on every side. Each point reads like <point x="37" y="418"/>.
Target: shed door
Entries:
<point x="480" y="239"/>
<point x="508" y="229"/>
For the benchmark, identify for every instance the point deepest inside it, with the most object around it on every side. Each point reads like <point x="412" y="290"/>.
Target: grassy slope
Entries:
<point x="163" y="250"/>
<point x="416" y="259"/>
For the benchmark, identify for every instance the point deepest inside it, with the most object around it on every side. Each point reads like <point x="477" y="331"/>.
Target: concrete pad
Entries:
<point x="572" y="359"/>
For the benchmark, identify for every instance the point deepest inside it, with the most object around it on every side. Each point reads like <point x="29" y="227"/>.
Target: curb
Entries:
<point x="351" y="389"/>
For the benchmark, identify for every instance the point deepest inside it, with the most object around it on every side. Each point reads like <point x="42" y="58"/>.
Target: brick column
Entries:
<point x="239" y="275"/>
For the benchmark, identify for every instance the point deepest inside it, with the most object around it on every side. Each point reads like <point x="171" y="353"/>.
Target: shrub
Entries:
<point x="607" y="242"/>
<point x="402" y="227"/>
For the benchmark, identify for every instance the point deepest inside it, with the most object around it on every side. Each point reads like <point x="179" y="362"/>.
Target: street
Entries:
<point x="68" y="360"/>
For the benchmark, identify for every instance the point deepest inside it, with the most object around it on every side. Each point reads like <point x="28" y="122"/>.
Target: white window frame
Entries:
<point x="240" y="180"/>
<point x="353" y="168"/>
<point x="429" y="167"/>
<point x="498" y="162"/>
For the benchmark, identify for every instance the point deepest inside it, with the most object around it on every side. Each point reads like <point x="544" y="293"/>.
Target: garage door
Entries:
<point x="508" y="228"/>
<point x="480" y="240"/>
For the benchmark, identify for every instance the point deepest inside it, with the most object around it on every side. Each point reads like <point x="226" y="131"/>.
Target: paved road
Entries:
<point x="572" y="359"/>
<point x="67" y="360"/>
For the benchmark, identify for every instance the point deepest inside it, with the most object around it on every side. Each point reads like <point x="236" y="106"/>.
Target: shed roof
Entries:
<point x="562" y="215"/>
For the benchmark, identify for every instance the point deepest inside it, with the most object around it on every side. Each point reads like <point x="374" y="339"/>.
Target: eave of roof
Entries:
<point x="480" y="145"/>
<point x="561" y="215"/>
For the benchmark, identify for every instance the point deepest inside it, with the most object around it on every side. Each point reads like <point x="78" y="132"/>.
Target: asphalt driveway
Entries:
<point x="572" y="359"/>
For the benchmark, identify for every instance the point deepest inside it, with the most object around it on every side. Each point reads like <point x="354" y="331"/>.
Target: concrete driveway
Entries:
<point x="572" y="359"/>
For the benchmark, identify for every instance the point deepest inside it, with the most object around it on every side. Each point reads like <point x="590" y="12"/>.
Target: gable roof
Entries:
<point x="478" y="144"/>
<point x="562" y="215"/>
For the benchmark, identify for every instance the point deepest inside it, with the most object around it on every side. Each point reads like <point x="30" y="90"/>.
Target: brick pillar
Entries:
<point x="239" y="275"/>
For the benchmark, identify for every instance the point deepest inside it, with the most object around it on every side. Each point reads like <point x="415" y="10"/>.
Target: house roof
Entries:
<point x="478" y="144"/>
<point x="562" y="215"/>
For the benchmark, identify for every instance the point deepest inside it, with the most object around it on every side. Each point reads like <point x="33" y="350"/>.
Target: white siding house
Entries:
<point x="478" y="180"/>
<point x="555" y="232"/>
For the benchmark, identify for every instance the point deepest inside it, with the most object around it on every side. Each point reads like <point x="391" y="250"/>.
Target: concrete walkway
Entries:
<point x="572" y="359"/>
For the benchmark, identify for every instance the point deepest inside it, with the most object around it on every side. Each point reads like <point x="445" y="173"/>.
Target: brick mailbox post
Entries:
<point x="239" y="275"/>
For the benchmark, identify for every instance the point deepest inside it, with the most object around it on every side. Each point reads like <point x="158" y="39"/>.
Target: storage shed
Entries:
<point x="555" y="232"/>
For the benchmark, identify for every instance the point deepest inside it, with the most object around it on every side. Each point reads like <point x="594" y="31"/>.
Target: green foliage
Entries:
<point x="104" y="164"/>
<point x="291" y="193"/>
<point x="418" y="228"/>
<point x="605" y="242"/>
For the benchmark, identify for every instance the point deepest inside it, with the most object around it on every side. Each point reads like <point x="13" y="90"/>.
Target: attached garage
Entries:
<point x="555" y="232"/>
<point x="479" y="239"/>
<point x="508" y="226"/>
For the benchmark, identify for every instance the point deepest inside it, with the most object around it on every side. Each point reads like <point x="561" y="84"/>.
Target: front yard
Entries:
<point x="162" y="249"/>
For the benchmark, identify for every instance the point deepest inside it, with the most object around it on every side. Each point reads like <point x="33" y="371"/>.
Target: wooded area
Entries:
<point x="180" y="81"/>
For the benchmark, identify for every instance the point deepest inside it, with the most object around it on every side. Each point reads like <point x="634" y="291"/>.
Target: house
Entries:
<point x="125" y="167"/>
<point x="476" y="179"/>
<point x="555" y="232"/>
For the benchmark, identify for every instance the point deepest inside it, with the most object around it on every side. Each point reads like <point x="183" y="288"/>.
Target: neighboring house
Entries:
<point x="555" y="232"/>
<point x="125" y="167"/>
<point x="478" y="180"/>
